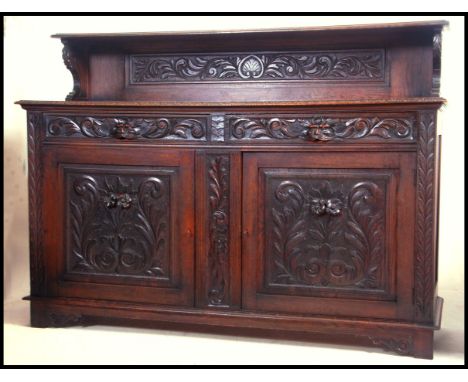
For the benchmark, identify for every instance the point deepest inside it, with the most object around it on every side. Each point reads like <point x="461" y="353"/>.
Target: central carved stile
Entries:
<point x="218" y="202"/>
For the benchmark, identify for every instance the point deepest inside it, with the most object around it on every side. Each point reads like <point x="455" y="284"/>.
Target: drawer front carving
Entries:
<point x="326" y="231"/>
<point x="341" y="66"/>
<point x="188" y="128"/>
<point x="119" y="224"/>
<point x="241" y="128"/>
<point x="320" y="128"/>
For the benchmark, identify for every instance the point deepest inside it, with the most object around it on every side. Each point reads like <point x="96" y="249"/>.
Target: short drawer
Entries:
<point x="320" y="127"/>
<point x="150" y="127"/>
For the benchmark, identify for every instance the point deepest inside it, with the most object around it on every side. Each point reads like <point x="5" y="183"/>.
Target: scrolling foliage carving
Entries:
<point x="70" y="61"/>
<point x="128" y="128"/>
<point x="321" y="128"/>
<point x="305" y="66"/>
<point x="35" y="204"/>
<point x="327" y="233"/>
<point x="402" y="346"/>
<point x="218" y="256"/>
<point x="119" y="224"/>
<point x="425" y="203"/>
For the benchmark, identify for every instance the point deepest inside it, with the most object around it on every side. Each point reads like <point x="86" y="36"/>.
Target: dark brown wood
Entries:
<point x="426" y="225"/>
<point x="129" y="229"/>
<point x="207" y="33"/>
<point x="347" y="62"/>
<point x="282" y="186"/>
<point x="269" y="325"/>
<point x="139" y="105"/>
<point x="36" y="218"/>
<point x="296" y="242"/>
<point x="218" y="236"/>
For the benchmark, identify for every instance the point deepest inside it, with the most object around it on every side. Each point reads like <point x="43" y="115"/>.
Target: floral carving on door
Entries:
<point x="326" y="233"/>
<point x="118" y="224"/>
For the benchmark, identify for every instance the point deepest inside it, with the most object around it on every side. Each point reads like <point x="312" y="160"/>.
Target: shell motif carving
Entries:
<point x="358" y="65"/>
<point x="250" y="67"/>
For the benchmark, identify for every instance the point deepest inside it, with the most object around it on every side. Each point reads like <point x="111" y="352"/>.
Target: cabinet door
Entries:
<point x="328" y="233"/>
<point x="119" y="224"/>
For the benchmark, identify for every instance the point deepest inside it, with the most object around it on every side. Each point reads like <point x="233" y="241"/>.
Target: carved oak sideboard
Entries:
<point x="277" y="184"/>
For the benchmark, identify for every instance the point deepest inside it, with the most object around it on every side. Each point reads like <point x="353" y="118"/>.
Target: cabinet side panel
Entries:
<point x="424" y="287"/>
<point x="37" y="271"/>
<point x="439" y="158"/>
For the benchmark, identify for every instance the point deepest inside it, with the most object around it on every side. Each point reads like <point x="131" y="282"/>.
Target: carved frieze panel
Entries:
<point x="354" y="66"/>
<point x="118" y="222"/>
<point x="326" y="231"/>
<point x="321" y="128"/>
<point x="129" y="128"/>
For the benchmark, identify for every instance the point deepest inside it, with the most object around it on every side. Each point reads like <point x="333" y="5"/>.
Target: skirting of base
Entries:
<point x="400" y="337"/>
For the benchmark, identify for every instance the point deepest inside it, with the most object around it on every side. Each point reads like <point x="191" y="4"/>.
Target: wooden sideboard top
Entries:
<point x="151" y="104"/>
<point x="431" y="24"/>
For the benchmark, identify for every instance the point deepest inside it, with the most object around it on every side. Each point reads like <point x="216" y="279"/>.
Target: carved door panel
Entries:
<point x="323" y="233"/>
<point x="124" y="221"/>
